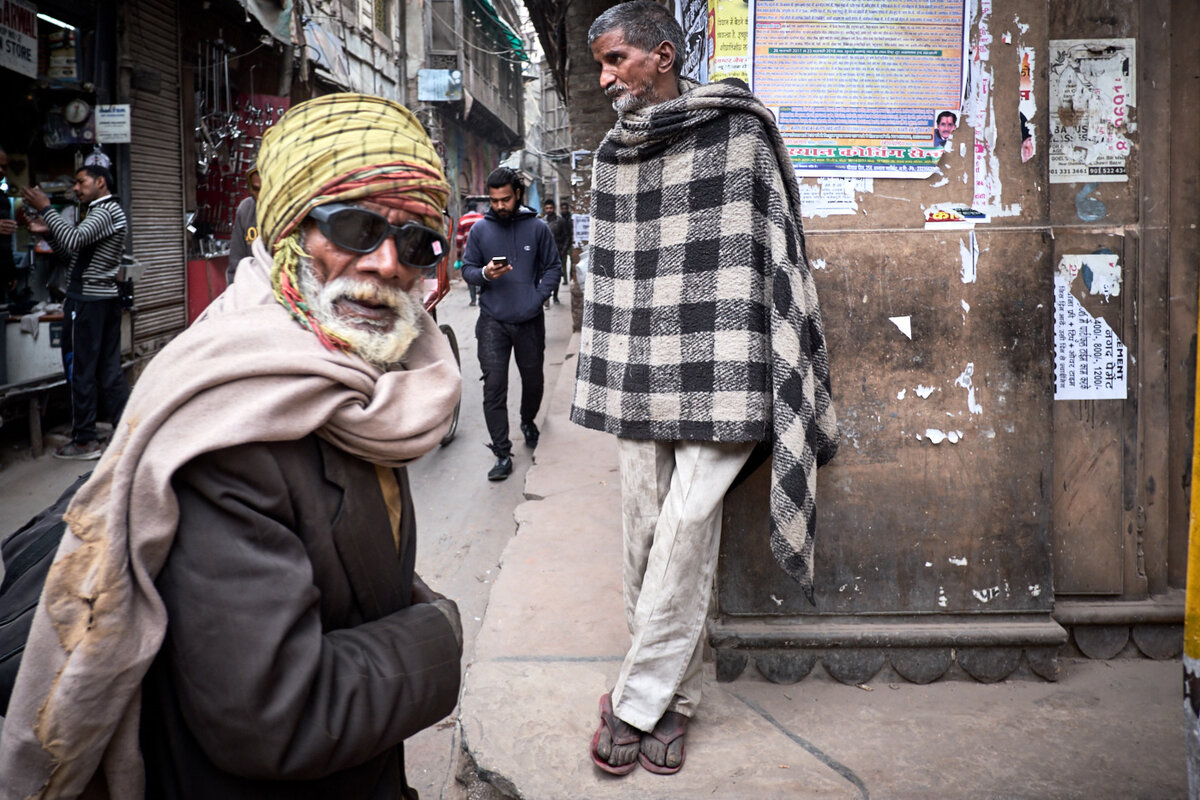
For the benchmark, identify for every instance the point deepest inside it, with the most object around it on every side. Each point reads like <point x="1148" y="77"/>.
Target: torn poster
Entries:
<point x="833" y="196"/>
<point x="1089" y="359"/>
<point x="1027" y="105"/>
<point x="728" y="39"/>
<point x="1092" y="88"/>
<point x="953" y="217"/>
<point x="1100" y="272"/>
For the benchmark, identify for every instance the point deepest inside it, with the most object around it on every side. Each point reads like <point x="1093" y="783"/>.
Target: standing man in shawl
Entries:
<point x="511" y="257"/>
<point x="701" y="337"/>
<point x="235" y="591"/>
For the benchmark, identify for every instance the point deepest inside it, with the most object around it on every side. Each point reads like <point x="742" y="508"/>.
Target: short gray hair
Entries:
<point x="644" y="24"/>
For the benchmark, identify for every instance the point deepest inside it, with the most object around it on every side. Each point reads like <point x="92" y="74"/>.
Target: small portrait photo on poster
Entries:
<point x="944" y="126"/>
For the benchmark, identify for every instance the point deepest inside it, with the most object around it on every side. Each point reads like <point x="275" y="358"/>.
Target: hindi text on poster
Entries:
<point x="857" y="87"/>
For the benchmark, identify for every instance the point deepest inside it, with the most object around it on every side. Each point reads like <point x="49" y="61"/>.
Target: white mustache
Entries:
<point x="615" y="89"/>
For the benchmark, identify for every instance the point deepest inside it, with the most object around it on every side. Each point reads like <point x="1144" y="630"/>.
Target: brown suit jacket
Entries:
<point x="294" y="664"/>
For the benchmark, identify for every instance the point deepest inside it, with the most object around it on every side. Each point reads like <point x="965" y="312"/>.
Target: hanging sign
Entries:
<point x="18" y="37"/>
<point x="113" y="124"/>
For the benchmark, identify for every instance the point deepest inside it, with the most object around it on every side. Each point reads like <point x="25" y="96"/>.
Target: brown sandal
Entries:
<point x="672" y="726"/>
<point x="609" y="720"/>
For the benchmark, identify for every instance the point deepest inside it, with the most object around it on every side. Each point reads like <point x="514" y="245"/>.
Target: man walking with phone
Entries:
<point x="511" y="257"/>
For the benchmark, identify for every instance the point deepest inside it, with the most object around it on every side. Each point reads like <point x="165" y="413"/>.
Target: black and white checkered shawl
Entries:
<point x="701" y="319"/>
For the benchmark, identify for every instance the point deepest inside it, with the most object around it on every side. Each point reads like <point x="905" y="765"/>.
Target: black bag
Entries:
<point x="27" y="555"/>
<point x="125" y="293"/>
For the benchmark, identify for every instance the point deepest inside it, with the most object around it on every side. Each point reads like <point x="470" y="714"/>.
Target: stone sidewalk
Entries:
<point x="554" y="635"/>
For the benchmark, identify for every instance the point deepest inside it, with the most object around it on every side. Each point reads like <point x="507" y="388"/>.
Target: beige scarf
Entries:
<point x="244" y="372"/>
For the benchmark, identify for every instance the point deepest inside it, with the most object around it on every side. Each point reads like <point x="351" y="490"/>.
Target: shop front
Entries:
<point x="57" y="87"/>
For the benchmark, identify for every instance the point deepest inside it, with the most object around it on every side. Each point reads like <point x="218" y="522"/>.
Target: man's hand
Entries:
<point x="35" y="197"/>
<point x="421" y="592"/>
<point x="37" y="225"/>
<point x="8" y="227"/>
<point x="495" y="269"/>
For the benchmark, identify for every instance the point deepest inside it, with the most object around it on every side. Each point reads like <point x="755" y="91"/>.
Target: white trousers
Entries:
<point x="671" y="498"/>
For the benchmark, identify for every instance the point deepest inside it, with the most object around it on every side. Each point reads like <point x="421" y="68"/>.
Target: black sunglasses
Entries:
<point x="360" y="230"/>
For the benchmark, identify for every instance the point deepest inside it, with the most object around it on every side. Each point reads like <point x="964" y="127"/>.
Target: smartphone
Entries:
<point x="501" y="260"/>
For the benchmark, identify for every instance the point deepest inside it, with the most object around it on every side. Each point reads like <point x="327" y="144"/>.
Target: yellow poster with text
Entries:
<point x="728" y="39"/>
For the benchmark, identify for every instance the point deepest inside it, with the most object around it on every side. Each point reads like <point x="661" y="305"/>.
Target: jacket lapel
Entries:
<point x="362" y="534"/>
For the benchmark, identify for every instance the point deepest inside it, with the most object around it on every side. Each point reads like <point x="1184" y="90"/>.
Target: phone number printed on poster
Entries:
<point x="1092" y="88"/>
<point x="857" y="88"/>
<point x="1089" y="359"/>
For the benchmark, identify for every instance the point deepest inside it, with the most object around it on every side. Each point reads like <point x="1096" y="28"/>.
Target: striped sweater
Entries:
<point x="95" y="246"/>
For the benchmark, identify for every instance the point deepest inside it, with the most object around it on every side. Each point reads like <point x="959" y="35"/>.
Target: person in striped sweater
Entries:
<point x="91" y="342"/>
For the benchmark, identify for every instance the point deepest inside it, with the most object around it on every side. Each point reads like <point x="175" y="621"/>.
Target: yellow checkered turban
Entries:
<point x="343" y="147"/>
<point x="338" y="148"/>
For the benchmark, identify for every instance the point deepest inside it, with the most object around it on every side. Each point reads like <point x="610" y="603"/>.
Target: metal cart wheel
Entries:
<point x="449" y="333"/>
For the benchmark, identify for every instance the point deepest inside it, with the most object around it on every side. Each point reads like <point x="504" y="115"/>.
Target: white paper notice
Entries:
<point x="1089" y="359"/>
<point x="832" y="196"/>
<point x="1092" y="87"/>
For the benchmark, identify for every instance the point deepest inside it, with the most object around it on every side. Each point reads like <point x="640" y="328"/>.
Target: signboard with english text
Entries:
<point x="18" y="37"/>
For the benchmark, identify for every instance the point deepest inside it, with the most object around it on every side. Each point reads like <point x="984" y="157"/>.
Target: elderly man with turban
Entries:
<point x="233" y="611"/>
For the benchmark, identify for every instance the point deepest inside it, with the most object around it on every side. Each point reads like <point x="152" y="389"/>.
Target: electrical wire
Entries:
<point x="499" y="53"/>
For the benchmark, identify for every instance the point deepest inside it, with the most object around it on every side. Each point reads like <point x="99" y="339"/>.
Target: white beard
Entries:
<point x="382" y="345"/>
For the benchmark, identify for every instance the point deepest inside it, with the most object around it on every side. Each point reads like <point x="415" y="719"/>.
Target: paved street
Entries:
<point x="464" y="521"/>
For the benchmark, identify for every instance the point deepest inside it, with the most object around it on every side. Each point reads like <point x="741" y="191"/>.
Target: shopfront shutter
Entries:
<point x="156" y="191"/>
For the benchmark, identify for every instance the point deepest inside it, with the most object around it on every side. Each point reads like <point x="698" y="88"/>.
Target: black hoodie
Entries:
<point x="516" y="296"/>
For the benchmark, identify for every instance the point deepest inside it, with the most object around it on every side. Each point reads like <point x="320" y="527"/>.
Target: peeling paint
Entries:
<point x="817" y="263"/>
<point x="986" y="595"/>
<point x="1035" y="590"/>
<point x="904" y="324"/>
<point x="929" y="563"/>
<point x="968" y="257"/>
<point x="958" y="561"/>
<point x="966" y="307"/>
<point x="936" y="436"/>
<point x="923" y="391"/>
<point x="900" y="394"/>
<point x="942" y="602"/>
<point x="777" y="600"/>
<point x="964" y="380"/>
<point x="1020" y="25"/>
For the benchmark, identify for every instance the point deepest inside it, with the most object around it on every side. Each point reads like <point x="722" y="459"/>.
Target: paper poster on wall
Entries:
<point x="1027" y="105"/>
<point x="833" y="196"/>
<point x="728" y="39"/>
<point x="1089" y="359"/>
<point x="860" y="89"/>
<point x="1100" y="273"/>
<point x="583" y="228"/>
<point x="694" y="19"/>
<point x="1092" y="88"/>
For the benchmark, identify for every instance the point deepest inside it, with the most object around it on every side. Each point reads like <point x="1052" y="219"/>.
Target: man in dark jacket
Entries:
<point x="237" y="576"/>
<point x="511" y="256"/>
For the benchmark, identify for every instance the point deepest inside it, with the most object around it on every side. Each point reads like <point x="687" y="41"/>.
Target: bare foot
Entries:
<point x="662" y="748"/>
<point x="616" y="744"/>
